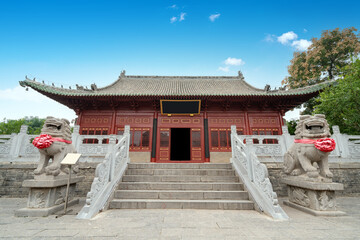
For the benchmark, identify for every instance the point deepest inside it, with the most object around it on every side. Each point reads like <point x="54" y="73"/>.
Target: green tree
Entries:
<point x="324" y="59"/>
<point x="291" y="126"/>
<point x="341" y="103"/>
<point x="8" y="126"/>
<point x="35" y="124"/>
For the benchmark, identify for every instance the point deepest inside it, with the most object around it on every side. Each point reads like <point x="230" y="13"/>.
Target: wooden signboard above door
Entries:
<point x="180" y="107"/>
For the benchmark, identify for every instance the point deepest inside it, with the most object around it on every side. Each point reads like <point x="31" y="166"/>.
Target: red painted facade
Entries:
<point x="104" y="122"/>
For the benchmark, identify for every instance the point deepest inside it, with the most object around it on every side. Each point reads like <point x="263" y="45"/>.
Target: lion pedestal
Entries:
<point x="308" y="178"/>
<point x="47" y="195"/>
<point x="48" y="188"/>
<point x="316" y="198"/>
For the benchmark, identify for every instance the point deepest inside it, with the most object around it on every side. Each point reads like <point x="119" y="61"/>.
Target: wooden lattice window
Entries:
<point x="220" y="138"/>
<point x="139" y="138"/>
<point x="265" y="131"/>
<point x="94" y="131"/>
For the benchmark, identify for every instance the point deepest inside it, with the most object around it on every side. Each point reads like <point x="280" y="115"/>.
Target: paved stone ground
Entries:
<point x="181" y="224"/>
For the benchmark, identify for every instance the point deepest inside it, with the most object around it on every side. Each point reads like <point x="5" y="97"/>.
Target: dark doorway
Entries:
<point x="180" y="144"/>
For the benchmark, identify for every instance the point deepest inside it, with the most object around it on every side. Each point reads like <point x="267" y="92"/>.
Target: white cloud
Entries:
<point x="16" y="103"/>
<point x="305" y="30"/>
<point x="224" y="69"/>
<point x="182" y="17"/>
<point x="301" y="45"/>
<point x="213" y="17"/>
<point x="173" y="6"/>
<point x="18" y="94"/>
<point x="285" y="38"/>
<point x="173" y="19"/>
<point x="234" y="61"/>
<point x="269" y="38"/>
<point x="293" y="114"/>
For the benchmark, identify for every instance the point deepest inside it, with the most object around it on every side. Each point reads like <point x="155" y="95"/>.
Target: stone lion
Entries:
<point x="301" y="157"/>
<point x="53" y="143"/>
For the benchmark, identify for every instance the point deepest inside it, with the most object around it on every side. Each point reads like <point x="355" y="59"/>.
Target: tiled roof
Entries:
<point x="172" y="86"/>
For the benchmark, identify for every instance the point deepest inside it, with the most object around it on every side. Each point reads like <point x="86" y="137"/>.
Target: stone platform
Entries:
<point x="47" y="195"/>
<point x="314" y="196"/>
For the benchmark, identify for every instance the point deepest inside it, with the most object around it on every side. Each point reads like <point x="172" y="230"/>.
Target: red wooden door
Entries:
<point x="196" y="145"/>
<point x="164" y="144"/>
<point x="195" y="140"/>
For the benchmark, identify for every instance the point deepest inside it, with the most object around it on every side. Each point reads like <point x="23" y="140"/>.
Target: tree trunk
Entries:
<point x="330" y="72"/>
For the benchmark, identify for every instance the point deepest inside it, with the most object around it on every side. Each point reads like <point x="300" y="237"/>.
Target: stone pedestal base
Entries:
<point x="314" y="197"/>
<point x="47" y="195"/>
<point x="43" y="212"/>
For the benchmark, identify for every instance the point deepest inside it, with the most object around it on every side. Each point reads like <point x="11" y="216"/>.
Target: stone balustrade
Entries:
<point x="269" y="148"/>
<point x="254" y="175"/>
<point x="107" y="175"/>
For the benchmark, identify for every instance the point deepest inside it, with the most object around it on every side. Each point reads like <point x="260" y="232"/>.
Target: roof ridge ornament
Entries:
<point x="79" y="87"/>
<point x="267" y="88"/>
<point x="94" y="87"/>
<point x="122" y="74"/>
<point x="240" y="75"/>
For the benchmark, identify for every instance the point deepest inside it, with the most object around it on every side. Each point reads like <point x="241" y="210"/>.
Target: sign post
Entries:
<point x="70" y="160"/>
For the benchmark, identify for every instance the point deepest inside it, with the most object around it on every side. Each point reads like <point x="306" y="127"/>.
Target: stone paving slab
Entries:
<point x="181" y="224"/>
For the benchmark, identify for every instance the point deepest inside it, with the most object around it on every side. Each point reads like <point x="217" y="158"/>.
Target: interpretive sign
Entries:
<point x="71" y="159"/>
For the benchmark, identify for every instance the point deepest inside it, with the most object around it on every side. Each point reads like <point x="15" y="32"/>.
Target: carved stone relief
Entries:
<point x="299" y="196"/>
<point x="268" y="150"/>
<point x="319" y="200"/>
<point x="38" y="198"/>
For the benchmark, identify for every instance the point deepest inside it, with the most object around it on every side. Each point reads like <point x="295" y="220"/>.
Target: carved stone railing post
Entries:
<point x="21" y="141"/>
<point x="111" y="149"/>
<point x="13" y="146"/>
<point x="233" y="144"/>
<point x="248" y="151"/>
<point x="254" y="176"/>
<point x="75" y="136"/>
<point x="288" y="140"/>
<point x="127" y="133"/>
<point x="341" y="142"/>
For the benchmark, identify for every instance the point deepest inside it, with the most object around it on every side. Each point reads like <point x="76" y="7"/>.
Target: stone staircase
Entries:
<point x="180" y="186"/>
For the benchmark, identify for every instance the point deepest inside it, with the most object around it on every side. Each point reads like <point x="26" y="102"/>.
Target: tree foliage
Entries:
<point x="341" y="103"/>
<point x="324" y="59"/>
<point x="8" y="126"/>
<point x="292" y="126"/>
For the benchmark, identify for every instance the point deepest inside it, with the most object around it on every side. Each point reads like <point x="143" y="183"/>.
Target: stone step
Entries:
<point x="180" y="186"/>
<point x="198" y="172"/>
<point x="177" y="195"/>
<point x="171" y="178"/>
<point x="179" y="166"/>
<point x="181" y="204"/>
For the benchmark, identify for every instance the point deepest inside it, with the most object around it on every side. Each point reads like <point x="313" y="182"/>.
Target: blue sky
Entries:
<point x="84" y="41"/>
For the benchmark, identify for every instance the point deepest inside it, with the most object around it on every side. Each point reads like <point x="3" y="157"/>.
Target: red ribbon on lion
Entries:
<point x="323" y="144"/>
<point x="45" y="141"/>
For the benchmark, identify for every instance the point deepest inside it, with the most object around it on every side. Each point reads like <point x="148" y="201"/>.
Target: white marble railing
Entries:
<point x="255" y="176"/>
<point x="347" y="146"/>
<point x="5" y="144"/>
<point x="93" y="145"/>
<point x="266" y="145"/>
<point x="107" y="175"/>
<point x="18" y="147"/>
<point x="353" y="145"/>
